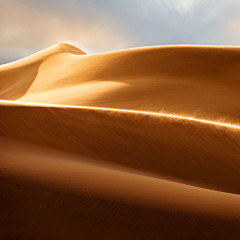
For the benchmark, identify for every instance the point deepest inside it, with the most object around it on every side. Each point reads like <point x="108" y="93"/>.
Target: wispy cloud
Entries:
<point x="27" y="26"/>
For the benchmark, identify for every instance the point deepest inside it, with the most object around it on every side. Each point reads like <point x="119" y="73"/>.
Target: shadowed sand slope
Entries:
<point x="70" y="172"/>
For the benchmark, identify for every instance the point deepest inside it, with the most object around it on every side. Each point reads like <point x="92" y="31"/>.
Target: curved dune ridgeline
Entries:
<point x="77" y="163"/>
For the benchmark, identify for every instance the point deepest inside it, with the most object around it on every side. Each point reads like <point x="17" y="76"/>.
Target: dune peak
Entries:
<point x="71" y="49"/>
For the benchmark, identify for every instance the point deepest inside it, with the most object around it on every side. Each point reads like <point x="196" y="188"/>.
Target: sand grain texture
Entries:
<point x="76" y="161"/>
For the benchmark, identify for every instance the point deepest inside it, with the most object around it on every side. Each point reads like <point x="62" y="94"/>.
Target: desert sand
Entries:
<point x="134" y="144"/>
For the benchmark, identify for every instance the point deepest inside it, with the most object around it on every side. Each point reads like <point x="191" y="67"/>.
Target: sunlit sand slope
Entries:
<point x="17" y="77"/>
<point x="200" y="81"/>
<point x="70" y="172"/>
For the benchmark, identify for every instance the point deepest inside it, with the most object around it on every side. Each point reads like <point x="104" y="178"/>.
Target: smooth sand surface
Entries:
<point x="133" y="144"/>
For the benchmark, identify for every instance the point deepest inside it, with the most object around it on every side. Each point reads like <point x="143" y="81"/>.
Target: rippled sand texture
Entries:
<point x="133" y="144"/>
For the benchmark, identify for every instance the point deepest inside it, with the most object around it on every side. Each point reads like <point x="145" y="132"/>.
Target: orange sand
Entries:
<point x="70" y="172"/>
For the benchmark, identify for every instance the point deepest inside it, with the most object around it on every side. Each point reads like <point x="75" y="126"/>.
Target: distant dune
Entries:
<point x="134" y="144"/>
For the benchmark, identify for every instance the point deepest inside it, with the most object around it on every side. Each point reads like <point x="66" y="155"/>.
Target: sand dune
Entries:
<point x="78" y="163"/>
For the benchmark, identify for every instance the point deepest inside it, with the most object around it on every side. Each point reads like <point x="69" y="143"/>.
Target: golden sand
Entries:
<point x="133" y="144"/>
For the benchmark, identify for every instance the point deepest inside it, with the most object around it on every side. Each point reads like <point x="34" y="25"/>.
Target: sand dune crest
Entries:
<point x="133" y="144"/>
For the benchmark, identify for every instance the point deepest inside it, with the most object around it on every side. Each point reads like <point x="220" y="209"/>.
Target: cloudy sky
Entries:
<point x="28" y="26"/>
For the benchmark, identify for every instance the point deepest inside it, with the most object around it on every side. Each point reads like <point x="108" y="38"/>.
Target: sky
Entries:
<point x="28" y="26"/>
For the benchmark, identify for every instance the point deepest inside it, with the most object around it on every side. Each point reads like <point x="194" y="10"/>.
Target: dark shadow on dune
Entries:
<point x="16" y="82"/>
<point x="193" y="238"/>
<point x="61" y="215"/>
<point x="13" y="236"/>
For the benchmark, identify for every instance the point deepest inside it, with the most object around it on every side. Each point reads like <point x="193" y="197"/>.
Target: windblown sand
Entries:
<point x="133" y="144"/>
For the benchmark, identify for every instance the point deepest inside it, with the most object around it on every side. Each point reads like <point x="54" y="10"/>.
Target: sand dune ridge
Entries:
<point x="133" y="144"/>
